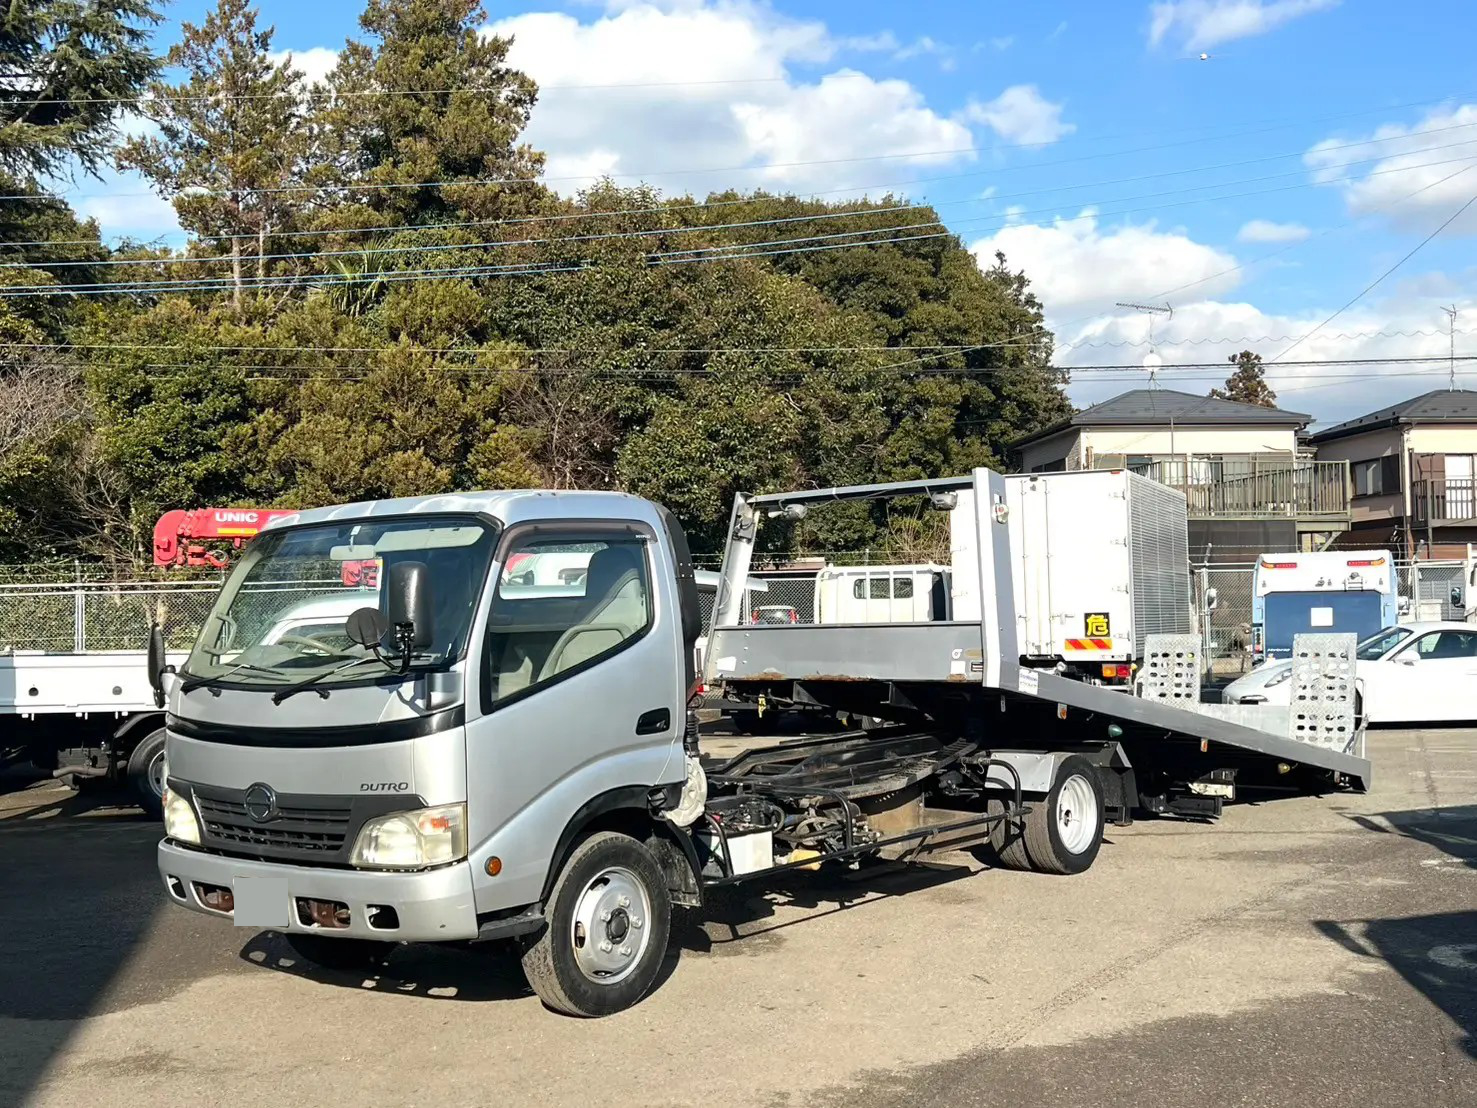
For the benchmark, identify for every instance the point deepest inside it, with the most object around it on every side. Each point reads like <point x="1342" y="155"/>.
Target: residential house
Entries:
<point x="1413" y="466"/>
<point x="1250" y="485"/>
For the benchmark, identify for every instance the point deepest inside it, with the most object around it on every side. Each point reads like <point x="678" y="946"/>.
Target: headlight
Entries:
<point x="180" y="823"/>
<point x="408" y="840"/>
<point x="1273" y="682"/>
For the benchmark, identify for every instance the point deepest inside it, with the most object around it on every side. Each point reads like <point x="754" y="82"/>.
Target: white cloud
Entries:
<point x="1021" y="114"/>
<point x="1419" y="179"/>
<point x="1201" y="24"/>
<point x="131" y="211"/>
<point x="646" y="121"/>
<point x="1264" y="230"/>
<point x="314" y="63"/>
<point x="1077" y="266"/>
<point x="1329" y="393"/>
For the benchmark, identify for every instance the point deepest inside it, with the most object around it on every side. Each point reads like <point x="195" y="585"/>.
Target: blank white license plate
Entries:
<point x="261" y="901"/>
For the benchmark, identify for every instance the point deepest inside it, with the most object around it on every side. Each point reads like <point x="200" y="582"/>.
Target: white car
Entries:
<point x="1413" y="673"/>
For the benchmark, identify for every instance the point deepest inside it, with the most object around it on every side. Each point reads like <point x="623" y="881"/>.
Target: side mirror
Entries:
<point x="1212" y="598"/>
<point x="408" y="600"/>
<point x="156" y="663"/>
<point x="1409" y="658"/>
<point x="366" y="627"/>
<point x="1458" y="597"/>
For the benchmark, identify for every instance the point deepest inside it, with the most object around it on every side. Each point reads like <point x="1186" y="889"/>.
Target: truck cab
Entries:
<point x="320" y="783"/>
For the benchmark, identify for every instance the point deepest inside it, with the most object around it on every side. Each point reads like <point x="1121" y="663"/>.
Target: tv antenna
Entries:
<point x="1152" y="360"/>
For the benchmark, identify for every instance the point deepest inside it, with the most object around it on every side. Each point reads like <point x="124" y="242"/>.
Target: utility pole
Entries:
<point x="1451" y="337"/>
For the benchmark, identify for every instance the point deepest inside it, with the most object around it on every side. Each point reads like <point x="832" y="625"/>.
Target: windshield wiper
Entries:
<point x="190" y="684"/>
<point x="322" y="675"/>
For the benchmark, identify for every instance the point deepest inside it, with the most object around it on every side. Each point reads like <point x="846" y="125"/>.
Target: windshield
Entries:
<point x="1381" y="643"/>
<point x="280" y="618"/>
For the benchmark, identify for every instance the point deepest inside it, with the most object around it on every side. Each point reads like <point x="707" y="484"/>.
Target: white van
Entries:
<point x="882" y="594"/>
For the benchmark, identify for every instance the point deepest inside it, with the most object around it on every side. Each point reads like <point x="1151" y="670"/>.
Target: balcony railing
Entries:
<point x="1445" y="500"/>
<point x="1244" y="488"/>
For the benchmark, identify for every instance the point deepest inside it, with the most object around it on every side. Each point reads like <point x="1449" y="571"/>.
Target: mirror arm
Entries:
<point x="405" y="643"/>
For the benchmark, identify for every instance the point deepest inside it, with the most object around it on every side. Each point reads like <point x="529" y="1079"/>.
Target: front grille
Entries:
<point x="318" y="831"/>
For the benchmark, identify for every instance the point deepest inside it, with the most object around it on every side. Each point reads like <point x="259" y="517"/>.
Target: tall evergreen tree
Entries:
<point x="67" y="65"/>
<point x="425" y="116"/>
<point x="1248" y="382"/>
<point x="230" y="142"/>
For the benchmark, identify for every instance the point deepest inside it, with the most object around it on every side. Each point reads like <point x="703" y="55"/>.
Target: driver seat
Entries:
<point x="614" y="609"/>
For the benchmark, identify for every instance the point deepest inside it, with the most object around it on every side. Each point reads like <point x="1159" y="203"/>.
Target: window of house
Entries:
<point x="1376" y="476"/>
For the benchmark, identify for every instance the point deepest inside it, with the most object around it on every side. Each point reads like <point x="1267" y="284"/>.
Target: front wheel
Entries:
<point x="605" y="934"/>
<point x="146" y="773"/>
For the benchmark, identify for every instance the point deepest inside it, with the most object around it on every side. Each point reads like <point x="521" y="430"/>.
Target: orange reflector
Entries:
<point x="1061" y="711"/>
<point x="1204" y="746"/>
<point x="494" y="866"/>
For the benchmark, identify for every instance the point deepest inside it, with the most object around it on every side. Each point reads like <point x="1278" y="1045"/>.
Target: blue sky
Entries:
<point x="1260" y="189"/>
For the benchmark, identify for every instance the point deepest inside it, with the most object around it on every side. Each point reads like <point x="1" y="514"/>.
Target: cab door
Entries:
<point x="580" y="699"/>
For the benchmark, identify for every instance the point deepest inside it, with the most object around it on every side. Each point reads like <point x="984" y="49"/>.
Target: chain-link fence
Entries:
<point x="1424" y="591"/>
<point x="94" y="616"/>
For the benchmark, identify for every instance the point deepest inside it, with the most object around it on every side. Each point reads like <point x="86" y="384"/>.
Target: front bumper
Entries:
<point x="434" y="906"/>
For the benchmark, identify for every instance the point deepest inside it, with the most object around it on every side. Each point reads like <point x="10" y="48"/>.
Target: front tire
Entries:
<point x="146" y="773"/>
<point x="1064" y="832"/>
<point x="605" y="934"/>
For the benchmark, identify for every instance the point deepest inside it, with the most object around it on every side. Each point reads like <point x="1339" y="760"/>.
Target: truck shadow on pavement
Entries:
<point x="1435" y="954"/>
<point x="735" y="920"/>
<point x="478" y="972"/>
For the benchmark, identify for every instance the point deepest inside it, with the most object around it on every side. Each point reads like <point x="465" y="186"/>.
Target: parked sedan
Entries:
<point x="1413" y="673"/>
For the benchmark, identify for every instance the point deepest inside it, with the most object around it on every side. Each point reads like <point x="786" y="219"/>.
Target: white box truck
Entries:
<point x="1101" y="561"/>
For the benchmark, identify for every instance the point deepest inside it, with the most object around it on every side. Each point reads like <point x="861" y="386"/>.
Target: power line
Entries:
<point x="1369" y="287"/>
<point x="491" y="181"/>
<point x="1009" y="220"/>
<point x="519" y="269"/>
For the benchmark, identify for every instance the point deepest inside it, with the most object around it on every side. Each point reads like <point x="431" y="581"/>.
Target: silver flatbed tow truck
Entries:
<point x="476" y="759"/>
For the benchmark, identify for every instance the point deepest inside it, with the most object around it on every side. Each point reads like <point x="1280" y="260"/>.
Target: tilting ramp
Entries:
<point x="1319" y="727"/>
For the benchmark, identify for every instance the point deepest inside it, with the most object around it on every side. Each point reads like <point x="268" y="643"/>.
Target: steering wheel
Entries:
<point x="316" y="645"/>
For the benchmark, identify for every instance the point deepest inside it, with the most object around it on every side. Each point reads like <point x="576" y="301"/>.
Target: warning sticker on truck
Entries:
<point x="1095" y="625"/>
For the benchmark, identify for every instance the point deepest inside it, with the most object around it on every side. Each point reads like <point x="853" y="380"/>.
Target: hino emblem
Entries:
<point x="261" y="802"/>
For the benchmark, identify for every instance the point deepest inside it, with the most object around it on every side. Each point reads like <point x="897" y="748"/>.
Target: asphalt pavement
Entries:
<point x="1302" y="951"/>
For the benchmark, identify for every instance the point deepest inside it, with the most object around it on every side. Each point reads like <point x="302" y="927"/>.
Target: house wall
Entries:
<point x="1385" y="442"/>
<point x="1062" y="447"/>
<point x="1189" y="440"/>
<point x="1446" y="439"/>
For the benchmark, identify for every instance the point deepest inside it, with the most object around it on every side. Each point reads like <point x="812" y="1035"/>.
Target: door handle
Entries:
<point x="654" y="722"/>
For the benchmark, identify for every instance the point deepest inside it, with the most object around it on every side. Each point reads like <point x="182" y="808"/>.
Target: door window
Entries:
<point x="1447" y="644"/>
<point x="562" y="605"/>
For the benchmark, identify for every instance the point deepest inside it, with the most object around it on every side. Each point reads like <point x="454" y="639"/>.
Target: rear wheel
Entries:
<point x="605" y="935"/>
<point x="146" y="773"/>
<point x="1007" y="839"/>
<point x="1065" y="830"/>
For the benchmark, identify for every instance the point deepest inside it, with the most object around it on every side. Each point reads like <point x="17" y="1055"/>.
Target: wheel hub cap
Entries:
<point x="609" y="932"/>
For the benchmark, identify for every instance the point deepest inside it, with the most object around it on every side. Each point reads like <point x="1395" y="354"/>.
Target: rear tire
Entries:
<point x="1065" y="830"/>
<point x="146" y="773"/>
<point x="1007" y="840"/>
<point x="605" y="934"/>
<point x="336" y="954"/>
